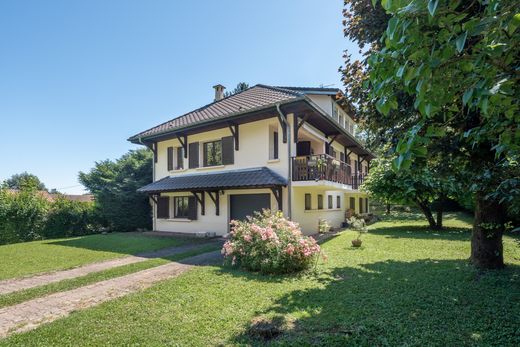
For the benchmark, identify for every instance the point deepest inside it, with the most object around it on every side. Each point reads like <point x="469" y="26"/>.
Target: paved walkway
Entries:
<point x="17" y="284"/>
<point x="30" y="314"/>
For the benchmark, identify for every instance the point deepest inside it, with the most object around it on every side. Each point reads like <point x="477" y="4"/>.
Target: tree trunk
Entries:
<point x="387" y="208"/>
<point x="440" y="211"/>
<point x="486" y="242"/>
<point x="439" y="218"/>
<point x="427" y="213"/>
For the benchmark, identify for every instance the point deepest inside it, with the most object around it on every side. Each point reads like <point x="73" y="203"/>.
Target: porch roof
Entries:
<point x="261" y="177"/>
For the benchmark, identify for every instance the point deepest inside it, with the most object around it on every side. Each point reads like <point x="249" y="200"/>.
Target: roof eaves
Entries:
<point x="329" y="119"/>
<point x="138" y="139"/>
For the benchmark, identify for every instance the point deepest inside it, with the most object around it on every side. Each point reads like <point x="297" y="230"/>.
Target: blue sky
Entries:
<point x="77" y="78"/>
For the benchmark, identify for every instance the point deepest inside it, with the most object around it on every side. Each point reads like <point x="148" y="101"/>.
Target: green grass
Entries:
<point x="32" y="293"/>
<point x="22" y="259"/>
<point x="405" y="286"/>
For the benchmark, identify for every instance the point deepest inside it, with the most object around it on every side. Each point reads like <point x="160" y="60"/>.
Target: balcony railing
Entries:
<point x="324" y="167"/>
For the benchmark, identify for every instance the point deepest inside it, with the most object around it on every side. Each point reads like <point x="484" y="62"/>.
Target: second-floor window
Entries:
<point x="213" y="153"/>
<point x="273" y="144"/>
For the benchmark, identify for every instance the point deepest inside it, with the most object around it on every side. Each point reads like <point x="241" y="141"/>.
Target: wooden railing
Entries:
<point x="324" y="167"/>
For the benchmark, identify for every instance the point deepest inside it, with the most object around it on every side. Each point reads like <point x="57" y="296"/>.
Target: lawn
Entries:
<point x="22" y="259"/>
<point x="406" y="286"/>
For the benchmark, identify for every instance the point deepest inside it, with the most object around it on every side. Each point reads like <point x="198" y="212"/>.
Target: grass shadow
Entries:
<point x="427" y="301"/>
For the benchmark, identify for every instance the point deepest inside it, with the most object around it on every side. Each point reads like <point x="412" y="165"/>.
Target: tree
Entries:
<point x="420" y="186"/>
<point x="114" y="185"/>
<point x="239" y="88"/>
<point x="24" y="181"/>
<point x="458" y="61"/>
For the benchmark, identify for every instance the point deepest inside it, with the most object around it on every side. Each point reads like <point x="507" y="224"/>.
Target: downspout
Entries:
<point x="289" y="174"/>
<point x="153" y="180"/>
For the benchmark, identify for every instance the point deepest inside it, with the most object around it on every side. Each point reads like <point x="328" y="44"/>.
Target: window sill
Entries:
<point x="210" y="167"/>
<point x="182" y="220"/>
<point x="271" y="161"/>
<point x="177" y="170"/>
<point x="323" y="210"/>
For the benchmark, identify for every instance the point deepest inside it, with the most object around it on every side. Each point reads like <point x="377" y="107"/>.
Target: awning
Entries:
<point x="260" y="177"/>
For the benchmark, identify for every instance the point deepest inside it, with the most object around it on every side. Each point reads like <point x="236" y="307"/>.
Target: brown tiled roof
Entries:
<point x="256" y="97"/>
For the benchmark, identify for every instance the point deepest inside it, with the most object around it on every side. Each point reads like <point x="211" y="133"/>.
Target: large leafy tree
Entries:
<point x="24" y="181"/>
<point x="459" y="62"/>
<point x="420" y="186"/>
<point x="114" y="185"/>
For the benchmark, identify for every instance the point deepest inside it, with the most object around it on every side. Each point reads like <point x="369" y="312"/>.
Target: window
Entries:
<point x="181" y="207"/>
<point x="163" y="207"/>
<point x="213" y="153"/>
<point x="341" y="121"/>
<point x="338" y="201"/>
<point x="353" y="203"/>
<point x="273" y="144"/>
<point x="361" y="209"/>
<point x="308" y="205"/>
<point x="180" y="158"/>
<point x="329" y="202"/>
<point x="320" y="202"/>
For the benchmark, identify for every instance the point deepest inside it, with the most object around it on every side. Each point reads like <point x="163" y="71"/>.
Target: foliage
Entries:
<point x="422" y="185"/>
<point x="71" y="218"/>
<point x="27" y="215"/>
<point x="269" y="243"/>
<point x="239" y="88"/>
<point x="25" y="181"/>
<point x="457" y="61"/>
<point x="405" y="291"/>
<point x="114" y="185"/>
<point x="23" y="215"/>
<point x="358" y="225"/>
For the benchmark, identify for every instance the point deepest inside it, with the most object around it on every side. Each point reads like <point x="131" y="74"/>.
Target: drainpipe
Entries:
<point x="289" y="174"/>
<point x="153" y="180"/>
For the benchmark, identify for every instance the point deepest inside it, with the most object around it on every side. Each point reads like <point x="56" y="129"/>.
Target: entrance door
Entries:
<point x="244" y="205"/>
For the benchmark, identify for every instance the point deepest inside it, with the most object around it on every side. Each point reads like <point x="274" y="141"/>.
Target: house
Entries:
<point x="285" y="148"/>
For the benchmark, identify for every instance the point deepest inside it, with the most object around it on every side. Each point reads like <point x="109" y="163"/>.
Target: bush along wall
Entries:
<point x="26" y="216"/>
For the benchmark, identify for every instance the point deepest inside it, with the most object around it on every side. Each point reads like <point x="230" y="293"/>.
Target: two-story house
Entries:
<point x="282" y="148"/>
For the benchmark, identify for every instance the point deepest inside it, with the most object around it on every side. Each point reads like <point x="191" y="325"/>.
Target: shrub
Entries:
<point x="22" y="216"/>
<point x="269" y="243"/>
<point x="359" y="225"/>
<point x="71" y="218"/>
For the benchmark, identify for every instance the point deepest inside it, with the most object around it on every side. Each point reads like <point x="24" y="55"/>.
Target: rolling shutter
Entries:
<point x="163" y="207"/>
<point x="228" y="150"/>
<point x="193" y="155"/>
<point x="192" y="208"/>
<point x="170" y="158"/>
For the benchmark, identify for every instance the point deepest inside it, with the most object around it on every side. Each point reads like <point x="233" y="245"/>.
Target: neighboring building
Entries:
<point x="286" y="148"/>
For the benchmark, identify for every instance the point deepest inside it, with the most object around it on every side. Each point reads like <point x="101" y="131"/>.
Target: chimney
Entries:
<point x="219" y="92"/>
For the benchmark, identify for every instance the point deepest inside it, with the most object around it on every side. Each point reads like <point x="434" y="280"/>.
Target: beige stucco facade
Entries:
<point x="255" y="150"/>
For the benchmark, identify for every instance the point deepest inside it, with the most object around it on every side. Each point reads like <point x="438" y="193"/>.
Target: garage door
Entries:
<point x="246" y="204"/>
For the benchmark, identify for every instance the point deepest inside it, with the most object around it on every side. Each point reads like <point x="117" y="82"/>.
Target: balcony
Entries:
<point x="324" y="167"/>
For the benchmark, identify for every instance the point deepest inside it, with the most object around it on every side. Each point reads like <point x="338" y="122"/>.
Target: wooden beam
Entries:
<point x="216" y="201"/>
<point x="298" y="125"/>
<point x="183" y="139"/>
<point x="154" y="198"/>
<point x="234" y="132"/>
<point x="334" y="137"/>
<point x="277" y="192"/>
<point x="201" y="202"/>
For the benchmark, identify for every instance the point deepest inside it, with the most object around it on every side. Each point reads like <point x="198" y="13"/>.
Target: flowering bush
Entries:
<point x="269" y="243"/>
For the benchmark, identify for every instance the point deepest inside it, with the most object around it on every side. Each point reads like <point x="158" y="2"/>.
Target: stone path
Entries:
<point x="30" y="314"/>
<point x="17" y="284"/>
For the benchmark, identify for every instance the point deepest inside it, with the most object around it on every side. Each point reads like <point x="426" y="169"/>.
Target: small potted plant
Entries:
<point x="358" y="225"/>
